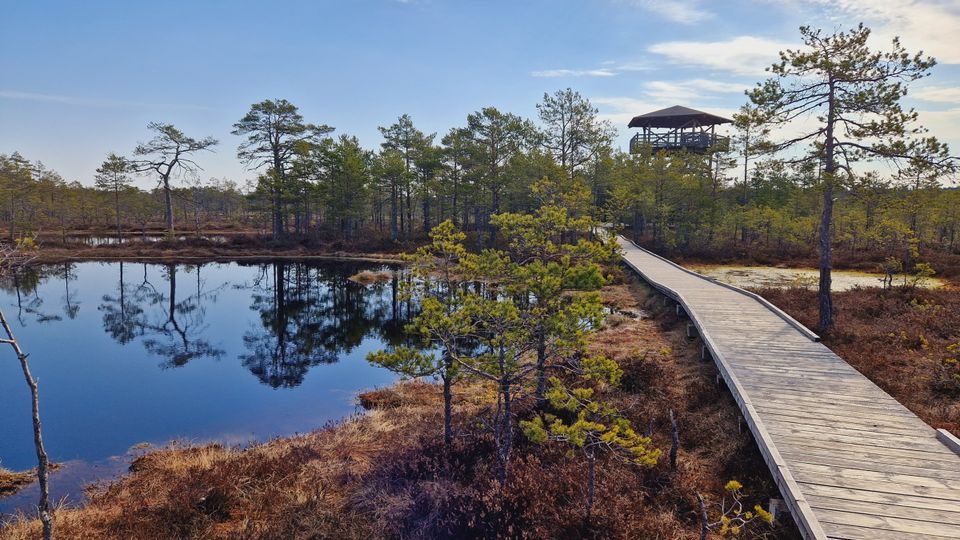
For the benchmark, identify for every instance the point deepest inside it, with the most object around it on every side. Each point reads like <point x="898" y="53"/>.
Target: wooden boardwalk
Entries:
<point x="850" y="461"/>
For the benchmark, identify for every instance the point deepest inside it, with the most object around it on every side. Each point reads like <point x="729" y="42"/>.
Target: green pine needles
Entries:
<point x="519" y="319"/>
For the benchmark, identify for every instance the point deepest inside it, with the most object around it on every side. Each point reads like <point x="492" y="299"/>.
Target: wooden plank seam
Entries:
<point x="802" y="512"/>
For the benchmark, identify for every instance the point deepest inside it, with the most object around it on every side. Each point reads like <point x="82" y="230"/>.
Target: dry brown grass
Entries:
<point x="663" y="371"/>
<point x="279" y="489"/>
<point x="369" y="277"/>
<point x="11" y="482"/>
<point x="898" y="338"/>
<point x="247" y="247"/>
<point x="385" y="474"/>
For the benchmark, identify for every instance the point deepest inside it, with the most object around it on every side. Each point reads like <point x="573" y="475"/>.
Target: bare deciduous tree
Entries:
<point x="10" y="259"/>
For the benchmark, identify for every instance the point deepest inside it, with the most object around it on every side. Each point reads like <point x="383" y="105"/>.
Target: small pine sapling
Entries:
<point x="731" y="518"/>
<point x="439" y="285"/>
<point x="588" y="424"/>
<point x="555" y="260"/>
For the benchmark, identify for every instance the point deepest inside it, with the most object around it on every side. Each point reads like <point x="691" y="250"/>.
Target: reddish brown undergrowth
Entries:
<point x="905" y="340"/>
<point x="13" y="481"/>
<point x="385" y="474"/>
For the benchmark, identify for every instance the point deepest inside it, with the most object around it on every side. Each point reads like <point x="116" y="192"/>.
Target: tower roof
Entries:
<point x="677" y="117"/>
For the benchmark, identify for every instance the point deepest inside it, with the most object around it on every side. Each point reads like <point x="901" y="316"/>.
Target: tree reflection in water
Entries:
<point x="122" y="313"/>
<point x="25" y="282"/>
<point x="70" y="305"/>
<point x="306" y="313"/>
<point x="311" y="315"/>
<point x="177" y="335"/>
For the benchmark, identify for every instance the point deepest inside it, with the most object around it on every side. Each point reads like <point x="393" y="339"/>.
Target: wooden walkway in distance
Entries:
<point x="850" y="461"/>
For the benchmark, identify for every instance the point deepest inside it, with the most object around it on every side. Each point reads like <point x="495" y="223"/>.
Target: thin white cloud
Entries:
<point x="678" y="11"/>
<point x="928" y="25"/>
<point x="690" y="90"/>
<point x="944" y="125"/>
<point x="941" y="94"/>
<point x="632" y="66"/>
<point x="610" y="68"/>
<point x="574" y="73"/>
<point x="619" y="110"/>
<point x="88" y="102"/>
<point x="742" y="55"/>
<point x="660" y="94"/>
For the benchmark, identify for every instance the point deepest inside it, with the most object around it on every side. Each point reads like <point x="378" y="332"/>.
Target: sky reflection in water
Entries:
<point x="128" y="353"/>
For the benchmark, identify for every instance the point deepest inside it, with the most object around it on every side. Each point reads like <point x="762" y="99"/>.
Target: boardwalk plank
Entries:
<point x="837" y="531"/>
<point x="902" y="525"/>
<point x="837" y="435"/>
<point x="849" y="460"/>
<point x="879" y="497"/>
<point x="882" y="465"/>
<point x="858" y="451"/>
<point x="858" y="427"/>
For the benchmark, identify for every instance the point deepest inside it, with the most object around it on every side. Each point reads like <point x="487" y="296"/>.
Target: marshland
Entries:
<point x="396" y="306"/>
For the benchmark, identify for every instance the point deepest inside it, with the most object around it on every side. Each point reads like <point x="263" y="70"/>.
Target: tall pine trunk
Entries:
<point x="394" y="229"/>
<point x="168" y="205"/>
<point x="116" y="199"/>
<point x="826" y="260"/>
<point x="591" y="482"/>
<point x="426" y="213"/>
<point x="541" y="366"/>
<point x="505" y="442"/>
<point x="826" y="221"/>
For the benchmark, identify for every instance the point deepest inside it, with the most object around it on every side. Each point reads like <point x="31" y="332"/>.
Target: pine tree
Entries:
<point x="587" y="423"/>
<point x="438" y="284"/>
<point x="855" y="94"/>
<point x="553" y="275"/>
<point x="113" y="176"/>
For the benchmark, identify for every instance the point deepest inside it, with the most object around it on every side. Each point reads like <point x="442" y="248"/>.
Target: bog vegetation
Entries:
<point x="389" y="473"/>
<point x="507" y="326"/>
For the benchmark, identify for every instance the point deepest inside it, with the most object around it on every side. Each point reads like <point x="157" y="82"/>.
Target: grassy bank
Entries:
<point x="907" y="341"/>
<point x="384" y="474"/>
<point x="247" y="247"/>
<point x="12" y="481"/>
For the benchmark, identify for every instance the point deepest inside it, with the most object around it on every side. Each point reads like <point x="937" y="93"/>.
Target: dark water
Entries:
<point x="96" y="240"/>
<point x="132" y="353"/>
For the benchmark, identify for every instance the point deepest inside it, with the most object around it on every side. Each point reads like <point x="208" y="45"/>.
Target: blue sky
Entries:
<point x="80" y="79"/>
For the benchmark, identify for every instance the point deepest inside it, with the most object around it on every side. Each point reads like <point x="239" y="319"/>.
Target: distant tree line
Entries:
<point x="782" y="196"/>
<point x="672" y="201"/>
<point x="311" y="184"/>
<point x="37" y="200"/>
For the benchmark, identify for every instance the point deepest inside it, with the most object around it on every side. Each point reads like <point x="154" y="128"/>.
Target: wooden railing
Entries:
<point x="679" y="140"/>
